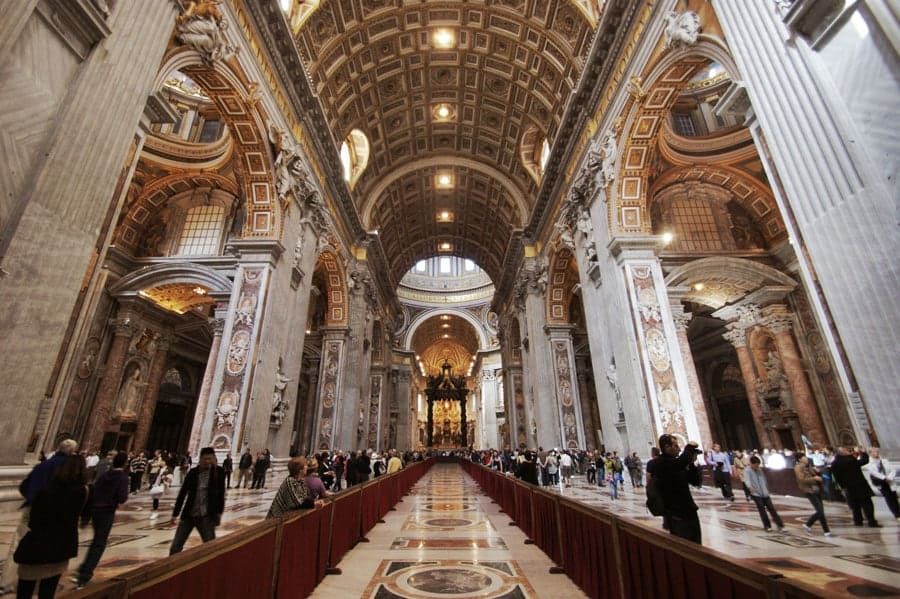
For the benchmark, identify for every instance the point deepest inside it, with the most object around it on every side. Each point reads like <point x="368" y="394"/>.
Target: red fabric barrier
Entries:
<point x="650" y="570"/>
<point x="370" y="504"/>
<point x="588" y="550"/>
<point x="523" y="509"/>
<point x="298" y="564"/>
<point x="208" y="579"/>
<point x="507" y="494"/>
<point x="546" y="525"/>
<point x="344" y="525"/>
<point x="324" y="536"/>
<point x="385" y="496"/>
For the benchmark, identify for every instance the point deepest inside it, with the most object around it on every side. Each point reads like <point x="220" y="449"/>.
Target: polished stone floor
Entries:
<point x="448" y="539"/>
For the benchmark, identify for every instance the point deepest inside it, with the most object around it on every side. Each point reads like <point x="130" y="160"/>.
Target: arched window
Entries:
<point x="354" y="156"/>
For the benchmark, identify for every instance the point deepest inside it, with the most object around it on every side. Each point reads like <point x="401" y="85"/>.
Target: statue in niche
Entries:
<point x="203" y="28"/>
<point x="613" y="378"/>
<point x="681" y="29"/>
<point x="774" y="390"/>
<point x="131" y="393"/>
<point x="565" y="236"/>
<point x="298" y="251"/>
<point x="279" y="403"/>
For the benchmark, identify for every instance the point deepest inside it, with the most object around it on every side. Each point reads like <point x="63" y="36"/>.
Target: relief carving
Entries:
<point x="202" y="27"/>
<point x="681" y="29"/>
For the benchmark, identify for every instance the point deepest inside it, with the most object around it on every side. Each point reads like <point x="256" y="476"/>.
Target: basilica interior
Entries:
<point x="312" y="225"/>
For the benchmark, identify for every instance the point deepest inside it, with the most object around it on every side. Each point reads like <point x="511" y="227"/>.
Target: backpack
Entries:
<point x="655" y="502"/>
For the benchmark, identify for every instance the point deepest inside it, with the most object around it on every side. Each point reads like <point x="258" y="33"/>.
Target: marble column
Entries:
<point x="568" y="401"/>
<point x="737" y="336"/>
<point x="49" y="235"/>
<point x="217" y="325"/>
<point x="350" y="421"/>
<point x="542" y="416"/>
<point x="820" y="138"/>
<point x="307" y="413"/>
<point x="588" y="412"/>
<point x="104" y="401"/>
<point x="404" y="427"/>
<point x="330" y="392"/>
<point x="778" y="320"/>
<point x="489" y="408"/>
<point x="151" y="394"/>
<point x="681" y="319"/>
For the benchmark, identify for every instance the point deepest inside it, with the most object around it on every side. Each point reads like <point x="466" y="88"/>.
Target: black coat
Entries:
<point x="215" y="494"/>
<point x="52" y="535"/>
<point x="847" y="471"/>
<point x="671" y="476"/>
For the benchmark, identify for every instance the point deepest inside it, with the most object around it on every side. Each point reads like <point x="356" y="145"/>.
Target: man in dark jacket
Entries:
<point x="244" y="469"/>
<point x="203" y="498"/>
<point x="847" y="471"/>
<point x="110" y="491"/>
<point x="670" y="471"/>
<point x="528" y="470"/>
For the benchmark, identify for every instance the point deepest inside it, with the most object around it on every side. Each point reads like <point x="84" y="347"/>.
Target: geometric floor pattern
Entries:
<point x="447" y="539"/>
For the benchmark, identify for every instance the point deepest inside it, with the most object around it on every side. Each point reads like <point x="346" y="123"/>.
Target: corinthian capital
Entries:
<point x="777" y="319"/>
<point x="748" y="315"/>
<point x="736" y="336"/>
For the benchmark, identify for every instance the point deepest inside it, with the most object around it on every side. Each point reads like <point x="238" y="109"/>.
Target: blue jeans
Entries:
<point x="206" y="526"/>
<point x="816" y="500"/>
<point x="102" y="522"/>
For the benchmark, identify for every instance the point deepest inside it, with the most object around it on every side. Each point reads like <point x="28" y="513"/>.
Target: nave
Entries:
<point x="446" y="525"/>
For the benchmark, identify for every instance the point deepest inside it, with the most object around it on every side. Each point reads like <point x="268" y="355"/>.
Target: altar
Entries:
<point x="446" y="426"/>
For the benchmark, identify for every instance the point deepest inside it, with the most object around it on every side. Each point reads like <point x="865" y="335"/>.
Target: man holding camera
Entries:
<point x="673" y="472"/>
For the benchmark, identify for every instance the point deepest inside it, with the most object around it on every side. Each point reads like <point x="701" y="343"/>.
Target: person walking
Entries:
<point x="138" y="466"/>
<point x="110" y="491"/>
<point x="36" y="481"/>
<point x="810" y="482"/>
<point x="672" y="472"/>
<point x="847" y="472"/>
<point x="881" y="475"/>
<point x="721" y="464"/>
<point x="737" y="469"/>
<point x="200" y="502"/>
<point x="756" y="481"/>
<point x="565" y="465"/>
<point x="259" y="471"/>
<point x="44" y="552"/>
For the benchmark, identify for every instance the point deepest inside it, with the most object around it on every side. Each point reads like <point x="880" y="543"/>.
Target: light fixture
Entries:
<point x="443" y="38"/>
<point x="308" y="331"/>
<point x="445" y="317"/>
<point x="699" y="286"/>
<point x="667" y="237"/>
<point x="285" y="5"/>
<point x="445" y="246"/>
<point x="445" y="326"/>
<point x="445" y="336"/>
<point x="199" y="290"/>
<point x="443" y="180"/>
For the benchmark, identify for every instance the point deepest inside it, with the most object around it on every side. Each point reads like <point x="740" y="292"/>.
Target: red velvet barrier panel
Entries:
<point x="299" y="557"/>
<point x="243" y="570"/>
<point x="650" y="570"/>
<point x="508" y="495"/>
<point x="523" y="508"/>
<point x="588" y="549"/>
<point x="324" y="534"/>
<point x="369" y="507"/>
<point x="385" y="495"/>
<point x="546" y="525"/>
<point x="344" y="525"/>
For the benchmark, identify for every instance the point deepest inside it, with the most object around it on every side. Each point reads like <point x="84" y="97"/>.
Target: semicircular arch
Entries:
<point x="481" y="335"/>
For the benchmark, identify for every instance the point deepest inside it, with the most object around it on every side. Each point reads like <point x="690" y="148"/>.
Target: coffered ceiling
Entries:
<point x="445" y="337"/>
<point x="508" y="73"/>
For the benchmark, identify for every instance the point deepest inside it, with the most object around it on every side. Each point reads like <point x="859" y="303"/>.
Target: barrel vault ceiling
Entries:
<point x="506" y="80"/>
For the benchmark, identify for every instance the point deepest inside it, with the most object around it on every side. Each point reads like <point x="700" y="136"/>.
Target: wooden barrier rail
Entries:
<point x="280" y="558"/>
<point x="607" y="555"/>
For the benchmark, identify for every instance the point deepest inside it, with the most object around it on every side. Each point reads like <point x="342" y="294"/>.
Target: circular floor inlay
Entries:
<point x="448" y="522"/>
<point x="452" y="581"/>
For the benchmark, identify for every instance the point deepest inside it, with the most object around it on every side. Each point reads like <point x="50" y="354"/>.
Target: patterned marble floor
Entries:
<point x="448" y="539"/>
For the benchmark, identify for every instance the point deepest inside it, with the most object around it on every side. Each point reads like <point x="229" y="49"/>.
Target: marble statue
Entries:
<point x="202" y="27"/>
<point x="682" y="29"/>
<point x="279" y="403"/>
<point x="130" y="395"/>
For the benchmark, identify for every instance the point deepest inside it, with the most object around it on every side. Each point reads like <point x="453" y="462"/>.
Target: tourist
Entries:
<point x="228" y="468"/>
<point x="394" y="463"/>
<point x="847" y="472"/>
<point x="527" y="471"/>
<point x="721" y="464"/>
<point x="200" y="501"/>
<point x="44" y="552"/>
<point x="314" y="482"/>
<point x="110" y="491"/>
<point x="160" y="485"/>
<point x="881" y="475"/>
<point x="156" y="465"/>
<point x="244" y="465"/>
<point x="810" y="482"/>
<point x="737" y="469"/>
<point x="137" y="466"/>
<point x="673" y="472"/>
<point x="293" y="494"/>
<point x="565" y="464"/>
<point x="755" y="478"/>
